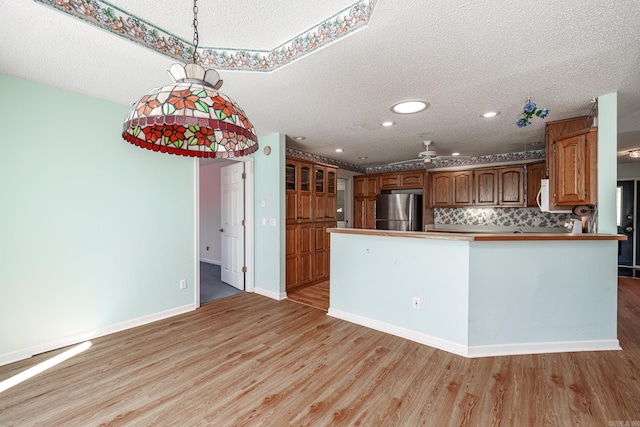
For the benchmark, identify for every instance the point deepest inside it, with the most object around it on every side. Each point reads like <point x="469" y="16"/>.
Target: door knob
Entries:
<point x="628" y="229"/>
<point x="222" y="230"/>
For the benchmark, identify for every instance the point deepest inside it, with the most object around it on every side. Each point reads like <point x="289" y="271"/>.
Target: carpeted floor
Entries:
<point x="211" y="287"/>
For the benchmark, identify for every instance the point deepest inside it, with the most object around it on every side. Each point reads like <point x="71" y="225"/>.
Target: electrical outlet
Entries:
<point x="416" y="303"/>
<point x="183" y="284"/>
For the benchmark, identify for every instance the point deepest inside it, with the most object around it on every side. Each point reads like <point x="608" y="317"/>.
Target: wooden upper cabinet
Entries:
<point x="486" y="185"/>
<point x="305" y="192"/>
<point x="291" y="187"/>
<point x="536" y="172"/>
<point x="331" y="196"/>
<point x="320" y="183"/>
<point x="365" y="185"/>
<point x="413" y="179"/>
<point x="575" y="168"/>
<point x="402" y="180"/>
<point x="389" y="181"/>
<point x="511" y="186"/>
<point x="441" y="194"/>
<point x="462" y="182"/>
<point x="555" y="131"/>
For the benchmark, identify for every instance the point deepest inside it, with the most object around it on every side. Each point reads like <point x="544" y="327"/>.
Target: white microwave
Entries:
<point x="543" y="198"/>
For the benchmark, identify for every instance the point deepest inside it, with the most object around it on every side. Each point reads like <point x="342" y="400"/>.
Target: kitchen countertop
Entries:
<point x="474" y="236"/>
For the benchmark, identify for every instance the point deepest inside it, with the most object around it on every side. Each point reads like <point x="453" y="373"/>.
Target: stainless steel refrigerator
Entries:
<point x="399" y="212"/>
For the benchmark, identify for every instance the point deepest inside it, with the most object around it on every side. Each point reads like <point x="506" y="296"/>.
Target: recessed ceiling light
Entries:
<point x="635" y="154"/>
<point x="408" y="107"/>
<point x="490" y="114"/>
<point x="338" y="150"/>
<point x="455" y="154"/>
<point x="363" y="157"/>
<point x="299" y="138"/>
<point x="387" y="124"/>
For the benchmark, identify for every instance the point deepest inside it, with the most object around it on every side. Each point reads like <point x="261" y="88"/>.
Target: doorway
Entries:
<point x="215" y="241"/>
<point x="341" y="203"/>
<point x="625" y="218"/>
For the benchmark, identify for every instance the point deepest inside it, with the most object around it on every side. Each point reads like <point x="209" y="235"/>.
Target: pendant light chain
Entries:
<point x="196" y="38"/>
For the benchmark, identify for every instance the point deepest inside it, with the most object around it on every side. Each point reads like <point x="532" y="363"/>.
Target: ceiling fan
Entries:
<point x="427" y="156"/>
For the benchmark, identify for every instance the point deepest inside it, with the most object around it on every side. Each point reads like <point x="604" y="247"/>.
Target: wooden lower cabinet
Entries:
<point x="305" y="253"/>
<point x="364" y="215"/>
<point x="307" y="250"/>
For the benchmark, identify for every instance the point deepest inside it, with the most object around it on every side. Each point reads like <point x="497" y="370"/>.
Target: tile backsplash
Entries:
<point x="514" y="217"/>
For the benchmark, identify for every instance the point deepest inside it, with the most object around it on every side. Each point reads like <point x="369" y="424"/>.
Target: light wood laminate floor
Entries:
<point x="316" y="296"/>
<point x="248" y="360"/>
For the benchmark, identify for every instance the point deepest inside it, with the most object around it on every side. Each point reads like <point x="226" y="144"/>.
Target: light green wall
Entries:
<point x="542" y="292"/>
<point x="377" y="278"/>
<point x="607" y="159"/>
<point x="94" y="231"/>
<point x="269" y="240"/>
<point x="532" y="296"/>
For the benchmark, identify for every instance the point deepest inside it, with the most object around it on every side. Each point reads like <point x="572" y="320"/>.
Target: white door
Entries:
<point x="232" y="217"/>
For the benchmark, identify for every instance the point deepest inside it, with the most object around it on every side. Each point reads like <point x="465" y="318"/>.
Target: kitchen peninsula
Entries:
<point x="479" y="294"/>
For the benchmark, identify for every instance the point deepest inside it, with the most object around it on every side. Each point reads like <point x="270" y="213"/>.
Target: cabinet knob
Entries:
<point x="222" y="230"/>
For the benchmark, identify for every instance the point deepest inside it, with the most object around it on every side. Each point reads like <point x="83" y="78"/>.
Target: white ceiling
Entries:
<point x="463" y="57"/>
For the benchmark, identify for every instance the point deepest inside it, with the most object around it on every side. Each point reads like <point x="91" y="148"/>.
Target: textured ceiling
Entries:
<point x="463" y="57"/>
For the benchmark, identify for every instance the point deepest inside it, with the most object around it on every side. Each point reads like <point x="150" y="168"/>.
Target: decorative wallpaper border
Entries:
<point x="521" y="156"/>
<point x="108" y="17"/>
<point x="302" y="155"/>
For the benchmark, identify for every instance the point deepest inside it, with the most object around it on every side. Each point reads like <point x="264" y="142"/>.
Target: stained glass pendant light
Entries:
<point x="190" y="117"/>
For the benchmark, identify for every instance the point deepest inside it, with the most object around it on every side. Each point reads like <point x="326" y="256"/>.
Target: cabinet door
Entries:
<point x="372" y="186"/>
<point x="292" y="269"/>
<point x="389" y="181"/>
<point x="462" y="188"/>
<point x="320" y="252"/>
<point x="319" y="192"/>
<point x="370" y="213"/>
<point x="330" y="204"/>
<point x="571" y="172"/>
<point x="305" y="253"/>
<point x="511" y="186"/>
<point x="554" y="131"/>
<point x="412" y="179"/>
<point x="359" y="212"/>
<point x="291" y="189"/>
<point x="486" y="184"/>
<point x="305" y="193"/>
<point x="441" y="192"/>
<point x="535" y="173"/>
<point x="360" y="186"/>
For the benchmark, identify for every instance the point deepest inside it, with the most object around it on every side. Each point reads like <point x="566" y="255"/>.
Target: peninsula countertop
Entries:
<point x="472" y="236"/>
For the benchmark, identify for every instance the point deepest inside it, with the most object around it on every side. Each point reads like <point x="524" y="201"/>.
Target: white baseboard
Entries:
<point x="270" y="294"/>
<point x="25" y="353"/>
<point x="398" y="331"/>
<point x="210" y="261"/>
<point x="542" y="347"/>
<point x="480" y="350"/>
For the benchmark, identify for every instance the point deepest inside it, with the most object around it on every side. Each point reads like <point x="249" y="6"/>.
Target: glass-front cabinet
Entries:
<point x="305" y="195"/>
